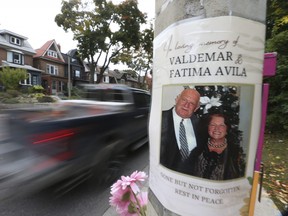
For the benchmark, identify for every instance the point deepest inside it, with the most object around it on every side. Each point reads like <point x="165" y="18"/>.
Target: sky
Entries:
<point x="34" y="19"/>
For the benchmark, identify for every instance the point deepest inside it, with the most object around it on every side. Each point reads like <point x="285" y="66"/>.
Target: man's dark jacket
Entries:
<point x="170" y="156"/>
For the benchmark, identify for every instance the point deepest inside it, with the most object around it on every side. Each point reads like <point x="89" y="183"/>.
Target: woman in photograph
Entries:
<point x="220" y="158"/>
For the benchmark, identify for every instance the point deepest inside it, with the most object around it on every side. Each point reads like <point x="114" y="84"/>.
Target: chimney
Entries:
<point x="59" y="47"/>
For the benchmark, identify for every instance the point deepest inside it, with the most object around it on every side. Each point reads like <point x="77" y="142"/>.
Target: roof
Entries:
<point x="72" y="52"/>
<point x="4" y="31"/>
<point x="27" y="67"/>
<point x="116" y="73"/>
<point x="74" y="59"/>
<point x="42" y="51"/>
<point x="26" y="47"/>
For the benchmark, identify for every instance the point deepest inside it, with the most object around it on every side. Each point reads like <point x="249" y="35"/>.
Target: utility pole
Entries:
<point x="210" y="46"/>
<point x="69" y="77"/>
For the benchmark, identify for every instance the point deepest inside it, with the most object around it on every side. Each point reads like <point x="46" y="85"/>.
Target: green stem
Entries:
<point x="141" y="211"/>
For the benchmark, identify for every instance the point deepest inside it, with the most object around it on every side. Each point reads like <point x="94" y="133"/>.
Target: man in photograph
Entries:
<point x="180" y="128"/>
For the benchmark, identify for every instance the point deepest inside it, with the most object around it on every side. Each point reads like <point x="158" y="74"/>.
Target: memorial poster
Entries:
<point x="217" y="63"/>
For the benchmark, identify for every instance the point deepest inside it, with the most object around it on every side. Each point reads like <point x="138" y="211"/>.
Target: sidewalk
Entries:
<point x="264" y="208"/>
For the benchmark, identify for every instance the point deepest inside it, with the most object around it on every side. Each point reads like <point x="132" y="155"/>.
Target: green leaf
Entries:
<point x="132" y="208"/>
<point x="250" y="180"/>
<point x="126" y="196"/>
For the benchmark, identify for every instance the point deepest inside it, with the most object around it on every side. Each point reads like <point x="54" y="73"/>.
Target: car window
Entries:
<point x="93" y="95"/>
<point x="113" y="95"/>
<point x="141" y="99"/>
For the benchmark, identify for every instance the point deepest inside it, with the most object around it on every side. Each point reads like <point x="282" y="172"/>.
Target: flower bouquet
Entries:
<point x="126" y="196"/>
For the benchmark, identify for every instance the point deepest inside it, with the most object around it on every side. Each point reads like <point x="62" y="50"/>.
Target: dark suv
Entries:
<point x="74" y="138"/>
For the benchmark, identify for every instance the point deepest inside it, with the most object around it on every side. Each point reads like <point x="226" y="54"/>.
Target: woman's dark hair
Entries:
<point x="226" y="120"/>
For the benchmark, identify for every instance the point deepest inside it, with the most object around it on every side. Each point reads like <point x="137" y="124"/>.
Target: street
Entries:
<point x="88" y="199"/>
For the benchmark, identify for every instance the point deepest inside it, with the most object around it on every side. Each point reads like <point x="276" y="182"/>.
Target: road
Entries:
<point x="89" y="199"/>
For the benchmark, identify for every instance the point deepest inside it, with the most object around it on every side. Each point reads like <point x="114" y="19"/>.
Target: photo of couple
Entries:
<point x="200" y="134"/>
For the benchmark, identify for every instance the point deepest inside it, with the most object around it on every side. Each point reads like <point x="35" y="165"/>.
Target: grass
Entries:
<point x="275" y="160"/>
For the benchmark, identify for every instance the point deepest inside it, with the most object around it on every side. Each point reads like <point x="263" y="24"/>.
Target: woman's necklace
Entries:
<point x="217" y="146"/>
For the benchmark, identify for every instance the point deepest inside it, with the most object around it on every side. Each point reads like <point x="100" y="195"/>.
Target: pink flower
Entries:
<point x="132" y="181"/>
<point x="120" y="199"/>
<point x="126" y="196"/>
<point x="116" y="186"/>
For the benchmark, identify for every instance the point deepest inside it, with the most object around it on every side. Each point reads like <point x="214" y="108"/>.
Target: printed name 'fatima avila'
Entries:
<point x="205" y="71"/>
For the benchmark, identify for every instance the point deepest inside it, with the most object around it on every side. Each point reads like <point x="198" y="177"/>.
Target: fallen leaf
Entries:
<point x="280" y="169"/>
<point x="283" y="201"/>
<point x="280" y="141"/>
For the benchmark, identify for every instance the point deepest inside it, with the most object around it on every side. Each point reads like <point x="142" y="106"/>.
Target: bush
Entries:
<point x="10" y="101"/>
<point x="36" y="89"/>
<point x="10" y="77"/>
<point x="45" y="99"/>
<point x="13" y="93"/>
<point x="37" y="95"/>
<point x="5" y="95"/>
<point x="24" y="89"/>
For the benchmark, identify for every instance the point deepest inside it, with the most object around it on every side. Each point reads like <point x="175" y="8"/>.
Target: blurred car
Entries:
<point x="74" y="138"/>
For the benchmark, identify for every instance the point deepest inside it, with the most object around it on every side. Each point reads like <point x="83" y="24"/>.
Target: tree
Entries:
<point x="103" y="30"/>
<point x="140" y="59"/>
<point x="277" y="17"/>
<point x="277" y="41"/>
<point x="277" y="113"/>
<point x="10" y="77"/>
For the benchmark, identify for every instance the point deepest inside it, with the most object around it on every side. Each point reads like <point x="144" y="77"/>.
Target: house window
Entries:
<point x="34" y="80"/>
<point x="51" y="69"/>
<point x="106" y="79"/>
<point x="59" y="86"/>
<point x="54" y="85"/>
<point x="52" y="53"/>
<point x="95" y="77"/>
<point x="64" y="86"/>
<point x="15" y="41"/>
<point x="26" y="81"/>
<point x="77" y="73"/>
<point x="14" y="57"/>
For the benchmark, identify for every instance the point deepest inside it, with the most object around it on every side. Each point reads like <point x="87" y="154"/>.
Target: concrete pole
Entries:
<point x="172" y="12"/>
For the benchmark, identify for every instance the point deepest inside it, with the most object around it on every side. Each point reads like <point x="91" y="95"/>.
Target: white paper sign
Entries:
<point x="222" y="58"/>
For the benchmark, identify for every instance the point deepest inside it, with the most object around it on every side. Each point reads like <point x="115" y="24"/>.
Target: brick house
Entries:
<point x="49" y="67"/>
<point x="16" y="52"/>
<point x="50" y="61"/>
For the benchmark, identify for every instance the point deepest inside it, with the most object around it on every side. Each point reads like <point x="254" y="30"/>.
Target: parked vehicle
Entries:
<point x="72" y="139"/>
